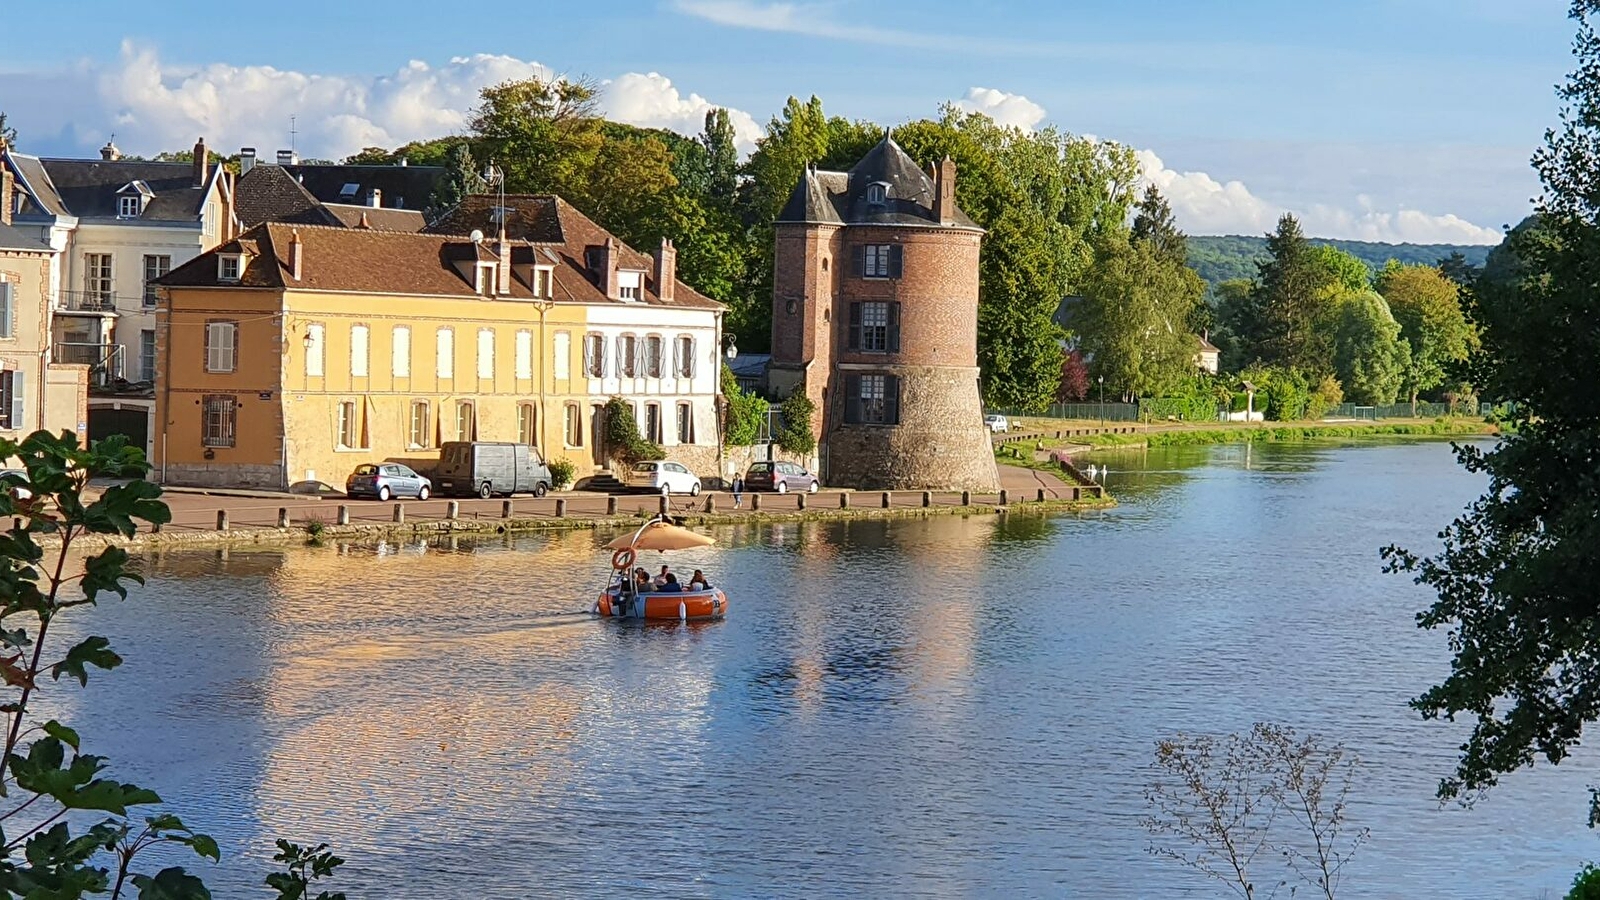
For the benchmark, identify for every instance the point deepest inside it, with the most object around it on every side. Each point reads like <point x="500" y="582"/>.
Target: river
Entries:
<point x="951" y="707"/>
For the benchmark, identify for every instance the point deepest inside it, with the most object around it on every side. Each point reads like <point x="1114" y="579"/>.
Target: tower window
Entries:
<point x="877" y="192"/>
<point x="872" y="400"/>
<point x="879" y="261"/>
<point x="874" y="327"/>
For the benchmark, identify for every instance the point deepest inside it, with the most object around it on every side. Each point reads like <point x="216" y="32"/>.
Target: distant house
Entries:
<point x="278" y="193"/>
<point x="1207" y="358"/>
<point x="750" y="370"/>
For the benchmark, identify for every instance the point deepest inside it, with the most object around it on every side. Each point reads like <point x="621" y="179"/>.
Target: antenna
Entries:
<point x="292" y="132"/>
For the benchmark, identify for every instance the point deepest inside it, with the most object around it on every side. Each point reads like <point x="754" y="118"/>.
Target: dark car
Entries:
<point x="782" y="477"/>
<point x="385" y="480"/>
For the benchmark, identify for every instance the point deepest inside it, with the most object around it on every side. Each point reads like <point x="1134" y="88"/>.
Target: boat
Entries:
<point x="620" y="601"/>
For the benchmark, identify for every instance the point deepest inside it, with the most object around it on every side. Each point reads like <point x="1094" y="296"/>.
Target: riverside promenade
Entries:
<point x="204" y="517"/>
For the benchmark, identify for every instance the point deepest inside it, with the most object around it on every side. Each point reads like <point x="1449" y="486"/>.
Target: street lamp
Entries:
<point x="1102" y="401"/>
<point x="732" y="351"/>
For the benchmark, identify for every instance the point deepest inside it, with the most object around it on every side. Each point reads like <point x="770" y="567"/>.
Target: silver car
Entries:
<point x="385" y="480"/>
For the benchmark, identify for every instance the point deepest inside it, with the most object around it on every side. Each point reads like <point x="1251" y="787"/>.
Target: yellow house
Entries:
<point x="292" y="354"/>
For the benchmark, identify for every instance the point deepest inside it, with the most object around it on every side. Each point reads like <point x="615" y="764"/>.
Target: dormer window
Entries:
<point x="877" y="192"/>
<point x="128" y="207"/>
<point x="349" y="191"/>
<point x="630" y="286"/>
<point x="483" y="278"/>
<point x="544" y="282"/>
<point x="229" y="265"/>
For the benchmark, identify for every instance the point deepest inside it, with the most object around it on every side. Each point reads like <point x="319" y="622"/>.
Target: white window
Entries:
<point x="573" y="434"/>
<point x="128" y="207"/>
<point x="100" y="280"/>
<point x="228" y="266"/>
<point x="629" y="285"/>
<point x="876" y="192"/>
<point x="874" y="326"/>
<point x="652" y="356"/>
<point x="594" y="355"/>
<point x="8" y="309"/>
<point x="484" y="281"/>
<point x="685" y="423"/>
<point x="314" y="349"/>
<point x="420" y="436"/>
<point x="154" y="267"/>
<point x="683" y="356"/>
<point x="543" y="282"/>
<point x="525" y="425"/>
<point x="525" y="354"/>
<point x="627" y="355"/>
<point x="445" y="349"/>
<point x="147" y="354"/>
<point x="876" y="261"/>
<point x="563" y="356"/>
<point x="359" y="353"/>
<point x="873" y="392"/>
<point x="350" y="435"/>
<point x="466" y="421"/>
<point x="222" y="346"/>
<point x="486" y="353"/>
<point x="400" y="354"/>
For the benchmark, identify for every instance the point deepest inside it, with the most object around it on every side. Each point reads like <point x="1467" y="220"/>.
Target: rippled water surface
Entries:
<point x="940" y="708"/>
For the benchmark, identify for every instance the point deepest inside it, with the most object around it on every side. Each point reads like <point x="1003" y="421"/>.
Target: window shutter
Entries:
<point x="688" y="349"/>
<point x="677" y="357"/>
<point x="852" y="399"/>
<point x="19" y="399"/>
<point x="8" y="297"/>
<point x="854" y="340"/>
<point x="233" y="358"/>
<point x="861" y="261"/>
<point x="894" y="328"/>
<point x="894" y="261"/>
<point x="588" y="355"/>
<point x="891" y="400"/>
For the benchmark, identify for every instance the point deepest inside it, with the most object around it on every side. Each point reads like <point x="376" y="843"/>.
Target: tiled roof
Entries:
<point x="1206" y="346"/>
<point x="267" y="193"/>
<point x="841" y="197"/>
<point x="370" y="261"/>
<point x="564" y="236"/>
<point x="403" y="187"/>
<point x="13" y="238"/>
<point x="384" y="219"/>
<point x="88" y="187"/>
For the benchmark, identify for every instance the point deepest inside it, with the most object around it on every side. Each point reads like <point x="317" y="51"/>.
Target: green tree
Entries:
<point x="624" y="443"/>
<point x="1340" y="269"/>
<point x="1238" y="324"/>
<point x="1368" y="352"/>
<point x="371" y="156"/>
<point x="1515" y="580"/>
<point x="721" y="162"/>
<point x="744" y="415"/>
<point x="8" y="134"/>
<point x="628" y="192"/>
<point x="1293" y="303"/>
<point x="1428" y="307"/>
<point x="1136" y="303"/>
<point x="1155" y="225"/>
<point x="460" y="179"/>
<point x="544" y="134"/>
<point x="796" y="435"/>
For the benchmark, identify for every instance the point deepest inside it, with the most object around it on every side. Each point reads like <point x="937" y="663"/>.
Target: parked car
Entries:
<point x="996" y="423"/>
<point x="663" y="477"/>
<point x="782" y="477"/>
<point x="385" y="480"/>
<point x="487" y="468"/>
<point x="17" y="491"/>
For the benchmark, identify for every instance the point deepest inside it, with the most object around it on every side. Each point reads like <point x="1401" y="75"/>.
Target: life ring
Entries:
<point x="623" y="559"/>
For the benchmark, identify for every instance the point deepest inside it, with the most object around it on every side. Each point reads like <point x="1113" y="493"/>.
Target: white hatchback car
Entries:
<point x="996" y="423"/>
<point x="663" y="477"/>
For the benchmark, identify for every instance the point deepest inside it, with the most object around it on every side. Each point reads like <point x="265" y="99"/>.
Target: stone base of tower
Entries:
<point x="939" y="444"/>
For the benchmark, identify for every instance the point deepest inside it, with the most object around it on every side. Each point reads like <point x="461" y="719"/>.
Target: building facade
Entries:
<point x="875" y="317"/>
<point x="294" y="353"/>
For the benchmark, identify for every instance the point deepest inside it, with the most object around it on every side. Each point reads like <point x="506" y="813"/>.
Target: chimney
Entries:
<point x="247" y="160"/>
<point x="202" y="163"/>
<point x="944" y="193"/>
<point x="287" y="158"/>
<point x="608" y="269"/>
<point x="375" y="198"/>
<point x="402" y="161"/>
<point x="296" y="256"/>
<point x="363" y="223"/>
<point x="502" y="268"/>
<point x="6" y="189"/>
<point x="666" y="271"/>
<point x="110" y="153"/>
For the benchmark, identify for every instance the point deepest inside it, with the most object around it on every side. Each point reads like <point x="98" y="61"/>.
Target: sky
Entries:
<point x="1394" y="120"/>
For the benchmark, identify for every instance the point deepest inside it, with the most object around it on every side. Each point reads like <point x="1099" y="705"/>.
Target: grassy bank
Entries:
<point x="1289" y="433"/>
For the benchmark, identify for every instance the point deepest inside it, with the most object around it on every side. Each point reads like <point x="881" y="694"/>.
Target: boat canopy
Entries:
<point x="661" y="536"/>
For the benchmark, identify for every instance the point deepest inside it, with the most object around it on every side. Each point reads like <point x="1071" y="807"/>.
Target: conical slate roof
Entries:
<point x="846" y="198"/>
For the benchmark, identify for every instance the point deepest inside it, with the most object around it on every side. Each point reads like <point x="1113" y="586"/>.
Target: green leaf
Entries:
<point x="203" y="845"/>
<point x="171" y="884"/>
<point x="93" y="651"/>
<point x="108" y="796"/>
<point x="62" y="733"/>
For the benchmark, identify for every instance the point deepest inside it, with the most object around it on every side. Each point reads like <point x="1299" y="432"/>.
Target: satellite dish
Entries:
<point x="477" y="236"/>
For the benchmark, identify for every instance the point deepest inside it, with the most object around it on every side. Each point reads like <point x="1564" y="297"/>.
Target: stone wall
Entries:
<point x="225" y="475"/>
<point x="940" y="443"/>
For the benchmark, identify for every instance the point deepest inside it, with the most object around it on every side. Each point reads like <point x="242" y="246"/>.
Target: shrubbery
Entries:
<point x="562" y="471"/>
<point x="623" y="440"/>
<point x="744" y="414"/>
<point x="795" y="435"/>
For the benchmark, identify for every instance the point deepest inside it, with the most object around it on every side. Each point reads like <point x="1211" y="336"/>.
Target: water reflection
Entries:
<point x="943" y="707"/>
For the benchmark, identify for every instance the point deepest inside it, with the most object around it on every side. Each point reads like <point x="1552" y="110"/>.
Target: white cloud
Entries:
<point x="1204" y="205"/>
<point x="153" y="105"/>
<point x="1005" y="108"/>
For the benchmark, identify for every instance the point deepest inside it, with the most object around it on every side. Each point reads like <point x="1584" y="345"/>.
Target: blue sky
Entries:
<point x="1398" y="119"/>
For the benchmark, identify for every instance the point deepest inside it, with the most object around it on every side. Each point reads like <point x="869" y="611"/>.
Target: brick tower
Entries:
<point x="875" y="316"/>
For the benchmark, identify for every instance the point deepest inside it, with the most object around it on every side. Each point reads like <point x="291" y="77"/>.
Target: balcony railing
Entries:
<point x="88" y="301"/>
<point x="104" y="360"/>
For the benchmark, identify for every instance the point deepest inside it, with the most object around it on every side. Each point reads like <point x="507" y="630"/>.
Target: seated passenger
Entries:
<point x="661" y="579"/>
<point x="671" y="585"/>
<point x="698" y="582"/>
<point x="641" y="581"/>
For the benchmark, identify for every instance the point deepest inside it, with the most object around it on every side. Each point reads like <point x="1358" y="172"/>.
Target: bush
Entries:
<point x="744" y="412"/>
<point x="562" y="471"/>
<point x="623" y="440"/>
<point x="1328" y="395"/>
<point x="1586" y="884"/>
<point x="796" y="436"/>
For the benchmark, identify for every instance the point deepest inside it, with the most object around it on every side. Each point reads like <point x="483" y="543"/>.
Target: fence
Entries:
<point x="1111" y="412"/>
<point x="1392" y="411"/>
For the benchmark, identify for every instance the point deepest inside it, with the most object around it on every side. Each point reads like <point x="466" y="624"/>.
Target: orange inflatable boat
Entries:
<point x="623" y="600"/>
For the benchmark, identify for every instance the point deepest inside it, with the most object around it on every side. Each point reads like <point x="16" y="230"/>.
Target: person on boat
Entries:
<point x="661" y="579"/>
<point x="698" y="582"/>
<point x="641" y="581"/>
<point x="671" y="585"/>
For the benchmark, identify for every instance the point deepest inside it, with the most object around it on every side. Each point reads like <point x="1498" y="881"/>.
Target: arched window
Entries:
<point x="877" y="192"/>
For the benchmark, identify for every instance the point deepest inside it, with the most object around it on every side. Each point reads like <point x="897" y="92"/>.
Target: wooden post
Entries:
<point x="561" y="507"/>
<point x="505" y="509"/>
<point x="711" y="503"/>
<point x="452" y="510"/>
<point x="399" y="513"/>
<point x="755" y="502"/>
<point x="888" y="498"/>
<point x="283" y="517"/>
<point x="611" y="506"/>
<point x="343" y="516"/>
<point x="927" y="498"/>
<point x="1041" y="495"/>
<point x="222" y="520"/>
<point x="844" y="499"/>
<point x="800" y="501"/>
<point x="966" y="498"/>
<point x="666" y="505"/>
<point x="1005" y="496"/>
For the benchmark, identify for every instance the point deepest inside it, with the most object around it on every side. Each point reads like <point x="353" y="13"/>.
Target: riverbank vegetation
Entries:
<point x="1292" y="433"/>
<point x="1515" y="580"/>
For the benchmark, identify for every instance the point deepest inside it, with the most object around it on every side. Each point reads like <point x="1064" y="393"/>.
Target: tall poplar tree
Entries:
<point x="1516" y="577"/>
<point x="1154" y="224"/>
